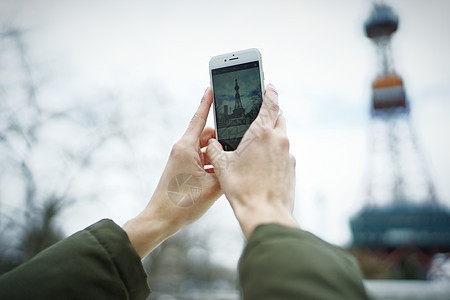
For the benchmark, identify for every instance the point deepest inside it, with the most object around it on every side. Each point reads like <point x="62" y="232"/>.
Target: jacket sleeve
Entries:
<point x="286" y="263"/>
<point x="96" y="263"/>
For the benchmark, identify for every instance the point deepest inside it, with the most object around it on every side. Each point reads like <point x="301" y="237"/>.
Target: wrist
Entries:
<point x="251" y="217"/>
<point x="146" y="232"/>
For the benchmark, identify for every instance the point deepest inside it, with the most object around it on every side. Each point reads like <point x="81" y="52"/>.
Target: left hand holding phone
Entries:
<point x="185" y="191"/>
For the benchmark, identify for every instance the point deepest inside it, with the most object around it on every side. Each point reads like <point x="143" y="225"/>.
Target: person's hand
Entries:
<point x="185" y="191"/>
<point x="258" y="178"/>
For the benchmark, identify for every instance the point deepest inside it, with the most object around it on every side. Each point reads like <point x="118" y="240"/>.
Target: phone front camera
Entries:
<point x="225" y="59"/>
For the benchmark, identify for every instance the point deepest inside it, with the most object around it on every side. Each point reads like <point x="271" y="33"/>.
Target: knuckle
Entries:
<point x="265" y="132"/>
<point x="178" y="148"/>
<point x="211" y="152"/>
<point x="271" y="105"/>
<point x="284" y="142"/>
<point x="272" y="89"/>
<point x="293" y="160"/>
<point x="197" y="117"/>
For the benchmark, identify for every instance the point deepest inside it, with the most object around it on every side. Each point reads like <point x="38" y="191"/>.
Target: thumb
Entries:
<point x="216" y="155"/>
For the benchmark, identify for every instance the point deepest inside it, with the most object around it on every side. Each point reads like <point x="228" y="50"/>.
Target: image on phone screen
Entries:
<point x="237" y="100"/>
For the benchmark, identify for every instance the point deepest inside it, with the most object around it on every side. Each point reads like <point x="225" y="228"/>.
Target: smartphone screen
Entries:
<point x="237" y="100"/>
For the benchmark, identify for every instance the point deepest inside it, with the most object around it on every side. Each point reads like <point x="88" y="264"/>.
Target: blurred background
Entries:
<point x="93" y="94"/>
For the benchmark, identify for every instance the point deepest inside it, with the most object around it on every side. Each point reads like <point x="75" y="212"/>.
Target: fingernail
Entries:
<point x="206" y="91"/>
<point x="211" y="141"/>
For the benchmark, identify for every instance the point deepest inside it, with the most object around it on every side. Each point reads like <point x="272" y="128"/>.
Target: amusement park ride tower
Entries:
<point x="401" y="209"/>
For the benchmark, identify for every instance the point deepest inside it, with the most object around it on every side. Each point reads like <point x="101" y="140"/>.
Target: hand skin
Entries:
<point x="163" y="217"/>
<point x="258" y="178"/>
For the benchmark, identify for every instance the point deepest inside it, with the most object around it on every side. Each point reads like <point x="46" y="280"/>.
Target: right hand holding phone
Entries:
<point x="258" y="178"/>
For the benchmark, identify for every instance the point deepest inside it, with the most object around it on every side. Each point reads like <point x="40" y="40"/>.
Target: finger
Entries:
<point x="268" y="114"/>
<point x="293" y="160"/>
<point x="292" y="172"/>
<point x="280" y="125"/>
<point x="210" y="170"/>
<point x="206" y="160"/>
<point x="215" y="153"/>
<point x="198" y="121"/>
<point x="207" y="134"/>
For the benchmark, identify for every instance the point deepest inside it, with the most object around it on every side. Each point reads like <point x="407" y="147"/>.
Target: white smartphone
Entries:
<point x="237" y="80"/>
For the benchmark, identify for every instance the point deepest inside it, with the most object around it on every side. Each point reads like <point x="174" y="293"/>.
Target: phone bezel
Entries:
<point x="232" y="59"/>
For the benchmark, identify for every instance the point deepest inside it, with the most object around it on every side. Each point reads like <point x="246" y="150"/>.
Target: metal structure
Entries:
<point x="238" y="111"/>
<point x="402" y="207"/>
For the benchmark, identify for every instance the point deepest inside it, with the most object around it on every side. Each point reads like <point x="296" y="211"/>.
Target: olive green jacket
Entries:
<point x="100" y="263"/>
<point x="287" y="263"/>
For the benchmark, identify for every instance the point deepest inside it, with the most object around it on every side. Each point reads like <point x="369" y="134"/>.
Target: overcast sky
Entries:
<point x="315" y="53"/>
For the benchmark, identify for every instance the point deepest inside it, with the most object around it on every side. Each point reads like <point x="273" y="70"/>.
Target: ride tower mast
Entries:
<point x="401" y="206"/>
